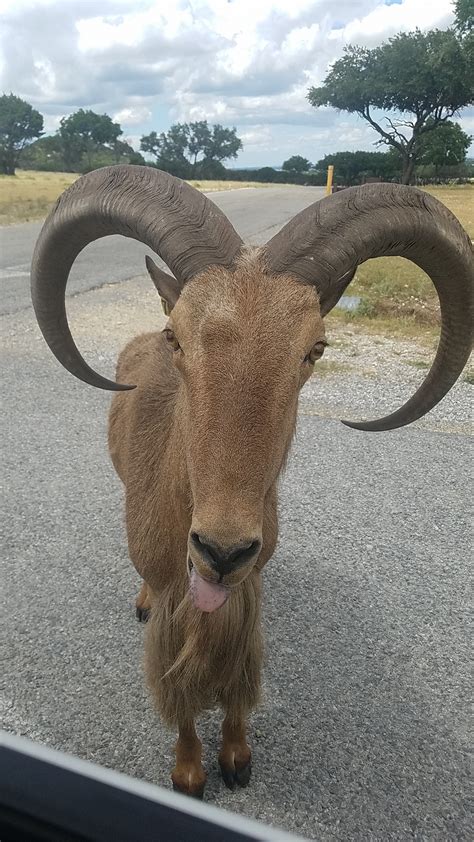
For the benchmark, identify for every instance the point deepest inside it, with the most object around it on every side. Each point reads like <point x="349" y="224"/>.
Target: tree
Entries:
<point x="20" y="123"/>
<point x="152" y="144"/>
<point x="83" y="133"/>
<point x="44" y="154"/>
<point x="223" y="144"/>
<point x="464" y="11"/>
<point x="420" y="79"/>
<point x="199" y="140"/>
<point x="296" y="164"/>
<point x="123" y="153"/>
<point x="189" y="149"/>
<point x="353" y="167"/>
<point x="47" y="154"/>
<point x="446" y="146"/>
<point x="169" y="149"/>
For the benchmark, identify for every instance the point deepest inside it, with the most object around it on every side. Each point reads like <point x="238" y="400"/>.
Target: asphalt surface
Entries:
<point x="362" y="733"/>
<point x="256" y="214"/>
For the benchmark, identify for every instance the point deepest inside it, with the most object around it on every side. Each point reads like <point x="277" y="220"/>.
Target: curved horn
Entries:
<point x="323" y="243"/>
<point x="180" y="224"/>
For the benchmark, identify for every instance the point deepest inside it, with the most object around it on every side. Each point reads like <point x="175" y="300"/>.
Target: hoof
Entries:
<point x="236" y="776"/>
<point x="197" y="793"/>
<point x="142" y="614"/>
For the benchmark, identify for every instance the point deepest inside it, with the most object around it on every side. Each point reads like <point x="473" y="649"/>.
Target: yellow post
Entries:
<point x="329" y="181"/>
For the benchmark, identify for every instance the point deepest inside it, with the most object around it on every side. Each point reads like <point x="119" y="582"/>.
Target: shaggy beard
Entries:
<point x="195" y="661"/>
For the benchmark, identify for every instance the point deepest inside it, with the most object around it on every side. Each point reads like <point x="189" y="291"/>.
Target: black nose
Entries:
<point x="224" y="559"/>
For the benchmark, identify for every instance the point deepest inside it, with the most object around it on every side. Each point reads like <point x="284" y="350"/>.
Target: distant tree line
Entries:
<point x="442" y="157"/>
<point x="85" y="141"/>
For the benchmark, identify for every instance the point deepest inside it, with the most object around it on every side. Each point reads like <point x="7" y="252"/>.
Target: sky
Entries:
<point x="246" y="64"/>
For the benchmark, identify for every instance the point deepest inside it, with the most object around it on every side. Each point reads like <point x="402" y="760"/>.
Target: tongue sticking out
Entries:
<point x="207" y="596"/>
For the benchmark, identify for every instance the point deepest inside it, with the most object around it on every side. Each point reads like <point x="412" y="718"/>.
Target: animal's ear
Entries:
<point x="168" y="287"/>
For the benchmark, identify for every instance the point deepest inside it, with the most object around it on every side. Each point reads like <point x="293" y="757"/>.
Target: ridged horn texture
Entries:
<point x="325" y="241"/>
<point x="178" y="222"/>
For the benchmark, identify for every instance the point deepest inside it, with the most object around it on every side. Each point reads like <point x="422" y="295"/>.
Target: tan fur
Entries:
<point x="199" y="445"/>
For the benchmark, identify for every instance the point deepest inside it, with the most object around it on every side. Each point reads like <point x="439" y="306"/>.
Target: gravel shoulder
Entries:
<point x="366" y="376"/>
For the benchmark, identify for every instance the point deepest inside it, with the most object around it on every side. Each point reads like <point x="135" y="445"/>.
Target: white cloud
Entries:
<point x="386" y="20"/>
<point x="238" y="62"/>
<point x="132" y="116"/>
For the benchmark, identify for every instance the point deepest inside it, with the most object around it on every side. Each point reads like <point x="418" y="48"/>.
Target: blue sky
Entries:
<point x="236" y="62"/>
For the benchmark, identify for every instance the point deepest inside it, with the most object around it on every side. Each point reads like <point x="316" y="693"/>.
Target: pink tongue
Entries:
<point x="207" y="596"/>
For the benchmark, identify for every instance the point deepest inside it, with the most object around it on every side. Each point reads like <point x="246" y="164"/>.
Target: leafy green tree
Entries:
<point x="20" y="123"/>
<point x="44" y="154"/>
<point x="169" y="149"/>
<point x="83" y="133"/>
<point x="223" y="144"/>
<point x="152" y="144"/>
<point x="353" y="167"/>
<point x="199" y="140"/>
<point x="265" y="174"/>
<point x="125" y="154"/>
<point x="420" y="79"/>
<point x="464" y="11"/>
<point x="175" y="143"/>
<point x="296" y="164"/>
<point x="188" y="149"/>
<point x="209" y="169"/>
<point x="446" y="146"/>
<point x="47" y="154"/>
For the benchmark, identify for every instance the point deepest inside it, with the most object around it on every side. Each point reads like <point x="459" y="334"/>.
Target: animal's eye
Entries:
<point x="171" y="339"/>
<point x="316" y="352"/>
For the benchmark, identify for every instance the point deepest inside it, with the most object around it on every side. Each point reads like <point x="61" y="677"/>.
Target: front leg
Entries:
<point x="188" y="775"/>
<point x="143" y="604"/>
<point x="235" y="756"/>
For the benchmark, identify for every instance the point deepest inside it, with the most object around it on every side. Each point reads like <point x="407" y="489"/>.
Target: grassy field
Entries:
<point x="392" y="287"/>
<point x="29" y="195"/>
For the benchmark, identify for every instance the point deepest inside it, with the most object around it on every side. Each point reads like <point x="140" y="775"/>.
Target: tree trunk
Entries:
<point x="7" y="164"/>
<point x="408" y="170"/>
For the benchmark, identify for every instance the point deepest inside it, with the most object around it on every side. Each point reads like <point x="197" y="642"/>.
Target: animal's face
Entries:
<point x="244" y="344"/>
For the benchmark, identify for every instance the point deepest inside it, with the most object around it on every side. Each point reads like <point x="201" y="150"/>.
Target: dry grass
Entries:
<point x="212" y="186"/>
<point x="30" y="195"/>
<point x="395" y="292"/>
<point x="395" y="326"/>
<point x="459" y="200"/>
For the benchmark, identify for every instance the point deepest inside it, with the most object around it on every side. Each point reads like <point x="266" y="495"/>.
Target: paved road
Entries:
<point x="362" y="733"/>
<point x="256" y="214"/>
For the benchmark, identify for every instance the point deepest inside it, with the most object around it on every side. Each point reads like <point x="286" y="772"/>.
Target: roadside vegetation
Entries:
<point x="30" y="195"/>
<point x="394" y="293"/>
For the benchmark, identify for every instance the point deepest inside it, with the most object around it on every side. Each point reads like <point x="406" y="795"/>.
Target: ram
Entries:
<point x="205" y="410"/>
